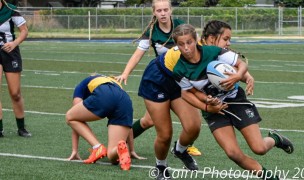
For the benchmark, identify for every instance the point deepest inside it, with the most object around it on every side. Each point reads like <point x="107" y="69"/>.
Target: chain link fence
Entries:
<point x="244" y="21"/>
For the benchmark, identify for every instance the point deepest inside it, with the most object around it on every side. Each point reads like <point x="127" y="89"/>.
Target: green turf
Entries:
<point x="52" y="69"/>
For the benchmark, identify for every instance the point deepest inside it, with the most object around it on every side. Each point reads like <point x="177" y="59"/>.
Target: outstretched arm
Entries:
<point x="133" y="61"/>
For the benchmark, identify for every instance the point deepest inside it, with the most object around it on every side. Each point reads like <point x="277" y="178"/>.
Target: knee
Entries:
<point x="164" y="138"/>
<point x="193" y="131"/>
<point x="259" y="150"/>
<point x="236" y="156"/>
<point x="16" y="96"/>
<point x="146" y="123"/>
<point x="68" y="118"/>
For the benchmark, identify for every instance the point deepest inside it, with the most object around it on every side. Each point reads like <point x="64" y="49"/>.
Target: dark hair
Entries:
<point x="214" y="28"/>
<point x="184" y="29"/>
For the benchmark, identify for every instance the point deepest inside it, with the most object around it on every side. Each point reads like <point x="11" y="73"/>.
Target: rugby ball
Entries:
<point x="215" y="73"/>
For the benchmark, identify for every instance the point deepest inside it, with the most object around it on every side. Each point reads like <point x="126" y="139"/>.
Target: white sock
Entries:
<point x="180" y="148"/>
<point x="96" y="146"/>
<point x="161" y="162"/>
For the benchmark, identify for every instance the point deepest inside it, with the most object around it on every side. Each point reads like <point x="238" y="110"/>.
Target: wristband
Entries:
<point x="206" y="107"/>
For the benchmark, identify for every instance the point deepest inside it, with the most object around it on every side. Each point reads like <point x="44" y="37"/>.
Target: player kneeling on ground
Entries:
<point x="97" y="97"/>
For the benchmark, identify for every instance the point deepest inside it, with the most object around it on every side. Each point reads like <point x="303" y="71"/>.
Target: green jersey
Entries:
<point x="193" y="75"/>
<point x="158" y="38"/>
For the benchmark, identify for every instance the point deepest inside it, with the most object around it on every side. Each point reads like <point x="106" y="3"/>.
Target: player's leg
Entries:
<point x="226" y="138"/>
<point x="191" y="122"/>
<point x="77" y="117"/>
<point x="117" y="147"/>
<point x="254" y="139"/>
<point x="160" y="114"/>
<point x="14" y="87"/>
<point x="141" y="125"/>
<point x="1" y="115"/>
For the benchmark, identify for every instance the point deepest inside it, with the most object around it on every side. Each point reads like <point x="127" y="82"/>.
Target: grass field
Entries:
<point x="52" y="69"/>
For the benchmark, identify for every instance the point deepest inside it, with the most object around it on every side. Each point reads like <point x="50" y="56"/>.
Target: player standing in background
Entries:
<point x="11" y="62"/>
<point x="190" y="73"/>
<point x="158" y="35"/>
<point x="97" y="97"/>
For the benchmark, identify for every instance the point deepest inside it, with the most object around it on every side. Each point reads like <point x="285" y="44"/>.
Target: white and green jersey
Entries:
<point x="158" y="38"/>
<point x="8" y="19"/>
<point x="193" y="75"/>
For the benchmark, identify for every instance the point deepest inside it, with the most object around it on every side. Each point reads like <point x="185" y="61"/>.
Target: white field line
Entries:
<point x="174" y="122"/>
<point x="199" y="173"/>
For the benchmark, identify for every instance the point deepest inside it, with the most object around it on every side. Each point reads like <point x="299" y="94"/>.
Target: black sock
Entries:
<point x="1" y="125"/>
<point x="137" y="129"/>
<point x="20" y="123"/>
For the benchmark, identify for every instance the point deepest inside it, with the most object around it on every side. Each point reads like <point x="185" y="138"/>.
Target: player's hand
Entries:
<point x="122" y="78"/>
<point x="250" y="85"/>
<point x="212" y="100"/>
<point x="74" y="156"/>
<point x="136" y="156"/>
<point x="228" y="83"/>
<point x="217" y="109"/>
<point x="9" y="47"/>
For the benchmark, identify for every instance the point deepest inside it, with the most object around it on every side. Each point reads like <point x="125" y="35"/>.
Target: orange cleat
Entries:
<point x="124" y="155"/>
<point x="96" y="154"/>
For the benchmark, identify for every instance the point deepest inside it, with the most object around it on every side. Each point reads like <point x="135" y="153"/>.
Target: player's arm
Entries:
<point x="134" y="60"/>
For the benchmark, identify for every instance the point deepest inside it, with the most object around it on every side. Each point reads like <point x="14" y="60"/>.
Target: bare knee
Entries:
<point x="16" y="97"/>
<point x="259" y="150"/>
<point x="68" y="118"/>
<point x="146" y="122"/>
<point x="236" y="156"/>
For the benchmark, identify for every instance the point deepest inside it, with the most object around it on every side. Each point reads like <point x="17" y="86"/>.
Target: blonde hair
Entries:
<point x="6" y="4"/>
<point x="152" y="22"/>
<point x="184" y="29"/>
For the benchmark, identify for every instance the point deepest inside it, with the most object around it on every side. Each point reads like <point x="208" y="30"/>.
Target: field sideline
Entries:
<point x="52" y="69"/>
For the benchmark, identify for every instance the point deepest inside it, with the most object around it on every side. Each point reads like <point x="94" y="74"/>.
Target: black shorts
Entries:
<point x="11" y="62"/>
<point x="240" y="113"/>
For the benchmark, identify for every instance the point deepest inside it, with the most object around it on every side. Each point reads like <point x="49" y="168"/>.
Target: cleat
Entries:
<point x="188" y="161"/>
<point x="24" y="133"/>
<point x="124" y="156"/>
<point x="96" y="154"/>
<point x="284" y="142"/>
<point x="193" y="151"/>
<point x="163" y="173"/>
<point x="1" y="133"/>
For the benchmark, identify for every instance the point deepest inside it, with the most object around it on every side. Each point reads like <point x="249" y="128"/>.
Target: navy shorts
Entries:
<point x="11" y="62"/>
<point x="157" y="86"/>
<point x="109" y="100"/>
<point x="241" y="113"/>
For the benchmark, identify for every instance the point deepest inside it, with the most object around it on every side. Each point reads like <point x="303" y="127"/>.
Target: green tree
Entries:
<point x="236" y="3"/>
<point x="289" y="3"/>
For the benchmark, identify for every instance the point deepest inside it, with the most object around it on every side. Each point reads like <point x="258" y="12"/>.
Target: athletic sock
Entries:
<point x="180" y="148"/>
<point x="267" y="175"/>
<point x="276" y="138"/>
<point x="96" y="146"/>
<point x="137" y="129"/>
<point x="161" y="162"/>
<point x="20" y="123"/>
<point x="1" y="125"/>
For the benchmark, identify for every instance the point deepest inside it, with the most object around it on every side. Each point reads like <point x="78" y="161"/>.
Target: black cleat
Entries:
<point x="24" y="133"/>
<point x="1" y="133"/>
<point x="188" y="160"/>
<point x="284" y="142"/>
<point x="163" y="173"/>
